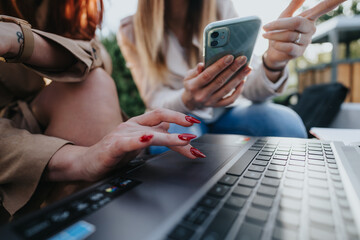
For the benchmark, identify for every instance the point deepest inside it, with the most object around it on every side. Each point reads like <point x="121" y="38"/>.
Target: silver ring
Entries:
<point x="297" y="41"/>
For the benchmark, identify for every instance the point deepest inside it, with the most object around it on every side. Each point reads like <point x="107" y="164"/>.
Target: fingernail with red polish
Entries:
<point x="197" y="153"/>
<point x="192" y="119"/>
<point x="146" y="138"/>
<point x="186" y="136"/>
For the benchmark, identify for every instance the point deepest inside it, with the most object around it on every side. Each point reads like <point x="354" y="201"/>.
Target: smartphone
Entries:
<point x="236" y="36"/>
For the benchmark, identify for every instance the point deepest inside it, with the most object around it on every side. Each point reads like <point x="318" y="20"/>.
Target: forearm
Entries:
<point x="46" y="54"/>
<point x="65" y="164"/>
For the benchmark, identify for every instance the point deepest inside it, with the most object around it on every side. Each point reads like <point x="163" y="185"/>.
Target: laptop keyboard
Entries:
<point x="278" y="189"/>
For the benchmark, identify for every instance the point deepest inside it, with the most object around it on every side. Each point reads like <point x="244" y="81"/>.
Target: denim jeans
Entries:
<point x="262" y="119"/>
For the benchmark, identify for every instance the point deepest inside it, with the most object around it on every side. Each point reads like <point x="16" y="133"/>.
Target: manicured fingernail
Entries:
<point x="146" y="138"/>
<point x="197" y="153"/>
<point x="241" y="60"/>
<point x="192" y="119"/>
<point x="186" y="136"/>
<point x="229" y="59"/>
<point x="266" y="25"/>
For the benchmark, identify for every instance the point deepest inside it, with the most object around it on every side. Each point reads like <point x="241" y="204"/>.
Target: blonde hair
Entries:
<point x="150" y="29"/>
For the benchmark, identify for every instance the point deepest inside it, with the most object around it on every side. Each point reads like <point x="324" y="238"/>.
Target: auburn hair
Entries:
<point x="76" y="19"/>
<point x="150" y="28"/>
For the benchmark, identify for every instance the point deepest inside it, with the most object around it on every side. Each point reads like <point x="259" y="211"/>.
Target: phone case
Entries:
<point x="235" y="36"/>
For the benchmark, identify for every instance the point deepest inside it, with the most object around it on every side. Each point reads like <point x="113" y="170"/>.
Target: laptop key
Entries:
<point x="280" y="157"/>
<point x="276" y="168"/>
<point x="273" y="174"/>
<point x="249" y="231"/>
<point x="257" y="215"/>
<point x="248" y="182"/>
<point x="321" y="204"/>
<point x="267" y="191"/>
<point x="297" y="163"/>
<point x="263" y="153"/>
<point x="278" y="162"/>
<point x="283" y="233"/>
<point x="220" y="225"/>
<point x="316" y="168"/>
<point x="239" y="167"/>
<point x="270" y="182"/>
<point x="260" y="163"/>
<point x="297" y="153"/>
<point x="291" y="183"/>
<point x="298" y="158"/>
<point x="181" y="233"/>
<point x="288" y="219"/>
<point x="256" y="168"/>
<point x="295" y="175"/>
<point x="318" y="192"/>
<point x="228" y="180"/>
<point x="292" y="193"/>
<point x="291" y="204"/>
<point x="262" y="201"/>
<point x="252" y="175"/>
<point x="242" y="191"/>
<point x="219" y="190"/>
<point x="264" y="158"/>
<point x="321" y="218"/>
<point x="235" y="202"/>
<point x="316" y="157"/>
<point x="318" y="233"/>
<point x="296" y="169"/>
<point x="315" y="162"/>
<point x="197" y="216"/>
<point x="317" y="175"/>
<point x="209" y="202"/>
<point x="317" y="183"/>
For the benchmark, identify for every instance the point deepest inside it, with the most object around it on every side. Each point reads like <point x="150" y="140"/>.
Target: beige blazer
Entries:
<point x="257" y="87"/>
<point x="24" y="151"/>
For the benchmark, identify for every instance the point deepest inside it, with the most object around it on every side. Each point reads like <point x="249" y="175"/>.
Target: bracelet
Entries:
<point x="269" y="68"/>
<point x="27" y="46"/>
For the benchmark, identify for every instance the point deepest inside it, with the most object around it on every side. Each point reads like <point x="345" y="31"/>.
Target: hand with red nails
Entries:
<point x="122" y="144"/>
<point x="207" y="87"/>
<point x="289" y="36"/>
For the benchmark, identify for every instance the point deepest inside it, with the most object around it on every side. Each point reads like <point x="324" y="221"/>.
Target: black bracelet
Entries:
<point x="269" y="68"/>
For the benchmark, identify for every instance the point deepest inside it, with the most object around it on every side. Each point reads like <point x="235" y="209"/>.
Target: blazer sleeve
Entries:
<point x="88" y="54"/>
<point x="24" y="157"/>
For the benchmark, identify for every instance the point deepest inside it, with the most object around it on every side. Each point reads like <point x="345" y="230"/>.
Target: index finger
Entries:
<point x="211" y="72"/>
<point x="321" y="8"/>
<point x="293" y="6"/>
<point x="157" y="116"/>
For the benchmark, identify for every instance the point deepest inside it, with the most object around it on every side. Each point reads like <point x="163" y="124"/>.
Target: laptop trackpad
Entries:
<point x="168" y="183"/>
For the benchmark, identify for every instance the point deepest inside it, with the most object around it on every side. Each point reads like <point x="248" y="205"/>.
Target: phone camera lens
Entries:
<point x="214" y="43"/>
<point x="214" y="34"/>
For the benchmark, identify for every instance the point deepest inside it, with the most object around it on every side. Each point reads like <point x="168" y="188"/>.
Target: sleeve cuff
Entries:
<point x="24" y="157"/>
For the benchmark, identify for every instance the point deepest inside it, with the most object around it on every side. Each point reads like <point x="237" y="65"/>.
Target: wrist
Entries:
<point x="65" y="164"/>
<point x="273" y="69"/>
<point x="272" y="64"/>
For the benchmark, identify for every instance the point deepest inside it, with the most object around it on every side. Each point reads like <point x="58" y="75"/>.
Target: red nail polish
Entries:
<point x="192" y="119"/>
<point x="197" y="153"/>
<point x="146" y="138"/>
<point x="186" y="136"/>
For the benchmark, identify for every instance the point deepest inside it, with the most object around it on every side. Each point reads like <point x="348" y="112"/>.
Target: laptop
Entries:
<point x="246" y="188"/>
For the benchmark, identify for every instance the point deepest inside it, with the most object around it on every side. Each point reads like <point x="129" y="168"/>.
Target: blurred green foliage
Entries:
<point x="129" y="97"/>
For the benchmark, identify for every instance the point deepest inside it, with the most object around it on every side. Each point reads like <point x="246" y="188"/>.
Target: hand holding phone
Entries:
<point x="235" y="36"/>
<point x="228" y="46"/>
